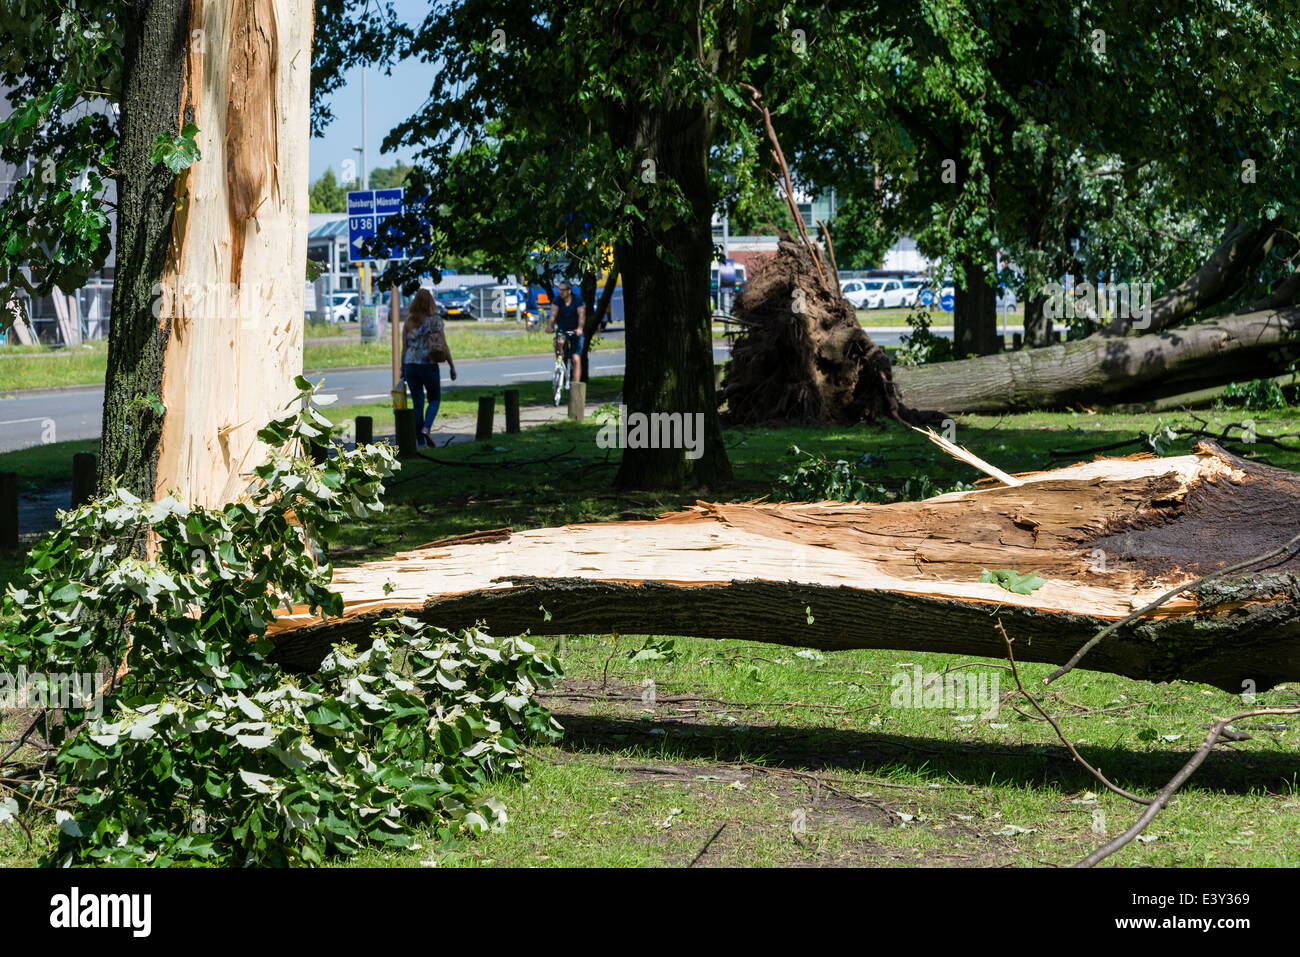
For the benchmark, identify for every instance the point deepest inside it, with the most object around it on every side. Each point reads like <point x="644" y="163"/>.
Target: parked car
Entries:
<point x="874" y="293"/>
<point x="853" y="290"/>
<point x="343" y="306"/>
<point x="454" y="303"/>
<point x="496" y="300"/>
<point x="912" y="289"/>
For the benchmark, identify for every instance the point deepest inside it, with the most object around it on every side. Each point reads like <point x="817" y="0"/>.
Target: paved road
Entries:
<point x="28" y="418"/>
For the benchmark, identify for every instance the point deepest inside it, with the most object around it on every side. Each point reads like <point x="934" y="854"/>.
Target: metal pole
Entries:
<point x="395" y="322"/>
<point x="365" y="161"/>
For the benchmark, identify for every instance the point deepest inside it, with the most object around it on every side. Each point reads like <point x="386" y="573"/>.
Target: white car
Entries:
<point x="912" y="290"/>
<point x="876" y="293"/>
<point x="343" y="306"/>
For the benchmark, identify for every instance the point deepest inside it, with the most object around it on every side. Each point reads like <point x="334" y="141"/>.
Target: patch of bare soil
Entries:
<point x="792" y="809"/>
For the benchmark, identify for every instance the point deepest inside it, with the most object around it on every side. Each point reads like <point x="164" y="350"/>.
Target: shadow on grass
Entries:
<point x="969" y="762"/>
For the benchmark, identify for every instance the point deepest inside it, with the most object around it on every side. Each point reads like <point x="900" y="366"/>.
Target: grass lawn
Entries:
<point x="43" y="465"/>
<point x="36" y="367"/>
<point x="744" y="753"/>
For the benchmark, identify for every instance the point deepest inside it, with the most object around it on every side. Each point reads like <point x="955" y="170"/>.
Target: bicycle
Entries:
<point x="560" y="378"/>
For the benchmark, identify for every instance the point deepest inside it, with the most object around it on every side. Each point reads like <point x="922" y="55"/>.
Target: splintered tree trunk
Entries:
<point x="1103" y="370"/>
<point x="1108" y="537"/>
<point x="669" y="362"/>
<point x="208" y="296"/>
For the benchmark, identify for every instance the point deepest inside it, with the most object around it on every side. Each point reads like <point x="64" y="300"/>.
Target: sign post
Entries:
<point x="395" y="320"/>
<point x="368" y="210"/>
<point x="361" y="227"/>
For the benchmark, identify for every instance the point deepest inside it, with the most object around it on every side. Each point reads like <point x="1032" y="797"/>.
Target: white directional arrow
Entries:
<point x="359" y="241"/>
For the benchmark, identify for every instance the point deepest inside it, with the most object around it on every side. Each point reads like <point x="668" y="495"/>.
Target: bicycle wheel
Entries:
<point x="557" y="381"/>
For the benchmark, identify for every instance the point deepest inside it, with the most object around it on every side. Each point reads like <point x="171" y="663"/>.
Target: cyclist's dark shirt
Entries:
<point x="566" y="317"/>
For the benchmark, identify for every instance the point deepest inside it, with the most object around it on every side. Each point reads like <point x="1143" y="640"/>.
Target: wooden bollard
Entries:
<point x="487" y="408"/>
<point x="404" y="424"/>
<point x="512" y="411"/>
<point x="1017" y="341"/>
<point x="8" y="509"/>
<point x="365" y="430"/>
<point x="577" y="401"/>
<point x="319" y="453"/>
<point x="83" y="478"/>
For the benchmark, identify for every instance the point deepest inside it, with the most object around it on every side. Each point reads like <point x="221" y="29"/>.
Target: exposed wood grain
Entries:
<point x="901" y="576"/>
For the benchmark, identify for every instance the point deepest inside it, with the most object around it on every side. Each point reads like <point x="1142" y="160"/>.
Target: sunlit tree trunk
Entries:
<point x="208" y="300"/>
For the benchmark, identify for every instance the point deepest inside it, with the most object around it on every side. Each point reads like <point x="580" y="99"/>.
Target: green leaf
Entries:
<point x="1013" y="581"/>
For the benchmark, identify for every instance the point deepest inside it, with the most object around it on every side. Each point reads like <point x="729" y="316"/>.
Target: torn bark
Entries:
<point x="1108" y="536"/>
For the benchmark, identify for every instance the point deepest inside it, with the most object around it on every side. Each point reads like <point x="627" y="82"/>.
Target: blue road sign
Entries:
<point x="368" y="209"/>
<point x="361" y="221"/>
<point x="947" y="302"/>
<point x="388" y="202"/>
<point x="926" y="297"/>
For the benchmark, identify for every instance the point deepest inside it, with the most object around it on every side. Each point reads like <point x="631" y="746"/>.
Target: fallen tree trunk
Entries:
<point x="1108" y="537"/>
<point x="1241" y="249"/>
<point x="1109" y="369"/>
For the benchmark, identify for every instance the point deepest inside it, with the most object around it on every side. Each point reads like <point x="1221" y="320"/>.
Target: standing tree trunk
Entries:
<point x="669" y="364"/>
<point x="975" y="319"/>
<point x="596" y="315"/>
<point x="1038" y="326"/>
<point x="207" y="308"/>
<point x="156" y="40"/>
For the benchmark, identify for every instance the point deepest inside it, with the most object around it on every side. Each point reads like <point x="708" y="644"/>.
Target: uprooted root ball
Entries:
<point x="801" y="355"/>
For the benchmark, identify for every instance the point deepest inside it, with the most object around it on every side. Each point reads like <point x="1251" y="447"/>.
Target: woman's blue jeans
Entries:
<point x="422" y="378"/>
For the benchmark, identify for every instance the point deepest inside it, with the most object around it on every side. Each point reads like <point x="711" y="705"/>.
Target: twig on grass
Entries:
<point x="821" y="783"/>
<point x="708" y="844"/>
<point x="965" y="664"/>
<point x="22" y="738"/>
<point x="1177" y="781"/>
<point x="1015" y="673"/>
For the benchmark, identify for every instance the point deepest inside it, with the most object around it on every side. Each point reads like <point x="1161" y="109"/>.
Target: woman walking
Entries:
<point x="424" y="345"/>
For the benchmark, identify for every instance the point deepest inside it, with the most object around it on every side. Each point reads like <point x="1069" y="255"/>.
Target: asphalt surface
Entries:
<point x="62" y="415"/>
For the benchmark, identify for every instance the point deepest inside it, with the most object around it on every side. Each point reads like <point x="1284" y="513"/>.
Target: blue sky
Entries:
<point x="390" y="100"/>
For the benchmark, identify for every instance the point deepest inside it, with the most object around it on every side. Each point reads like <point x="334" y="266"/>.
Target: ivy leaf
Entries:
<point x="1013" y="581"/>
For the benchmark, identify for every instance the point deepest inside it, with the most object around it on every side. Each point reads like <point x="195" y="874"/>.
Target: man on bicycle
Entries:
<point x="568" y="315"/>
